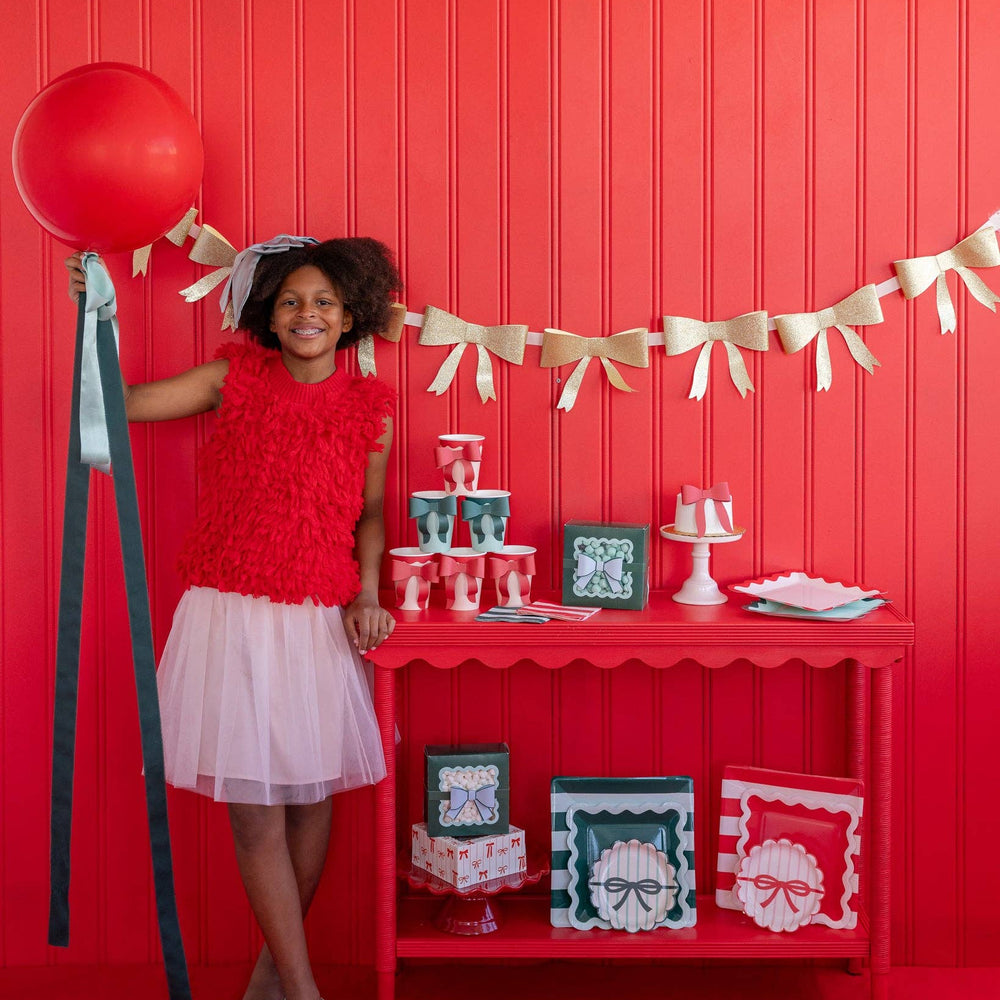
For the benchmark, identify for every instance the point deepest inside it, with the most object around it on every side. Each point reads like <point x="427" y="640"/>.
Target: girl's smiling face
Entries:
<point x="308" y="318"/>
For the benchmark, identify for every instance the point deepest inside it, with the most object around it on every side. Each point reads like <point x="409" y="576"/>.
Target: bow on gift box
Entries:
<point x="978" y="250"/>
<point x="793" y="887"/>
<point x="719" y="494"/>
<point x="426" y="574"/>
<point x="643" y="887"/>
<point x="484" y="799"/>
<point x="861" y="308"/>
<point x="451" y="460"/>
<point x="681" y="334"/>
<point x="507" y="342"/>
<point x="587" y="568"/>
<point x="561" y="348"/>
<point x="420" y="508"/>
<point x="473" y="510"/>
<point x="502" y="570"/>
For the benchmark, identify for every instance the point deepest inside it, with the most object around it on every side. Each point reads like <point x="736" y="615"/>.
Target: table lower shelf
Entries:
<point x="525" y="932"/>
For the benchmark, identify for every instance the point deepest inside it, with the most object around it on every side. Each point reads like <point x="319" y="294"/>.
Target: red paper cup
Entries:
<point x="462" y="571"/>
<point x="512" y="568"/>
<point x="413" y="572"/>
<point x="458" y="457"/>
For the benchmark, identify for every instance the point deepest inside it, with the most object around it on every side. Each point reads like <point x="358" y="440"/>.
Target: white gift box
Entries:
<point x="465" y="861"/>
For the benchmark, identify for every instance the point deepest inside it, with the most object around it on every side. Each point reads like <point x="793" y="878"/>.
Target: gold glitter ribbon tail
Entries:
<point x="484" y="374"/>
<point x="699" y="380"/>
<point x="980" y="291"/>
<point x="738" y="370"/>
<point x="366" y="355"/>
<point x="446" y="372"/>
<point x="567" y="397"/>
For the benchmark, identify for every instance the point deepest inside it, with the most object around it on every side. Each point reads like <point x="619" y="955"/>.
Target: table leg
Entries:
<point x="879" y="855"/>
<point x="857" y="760"/>
<point x="385" y="837"/>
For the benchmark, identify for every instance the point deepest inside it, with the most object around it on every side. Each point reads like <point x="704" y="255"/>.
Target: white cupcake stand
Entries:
<point x="699" y="587"/>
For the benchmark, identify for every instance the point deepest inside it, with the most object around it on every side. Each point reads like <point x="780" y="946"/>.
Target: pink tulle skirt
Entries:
<point x="264" y="703"/>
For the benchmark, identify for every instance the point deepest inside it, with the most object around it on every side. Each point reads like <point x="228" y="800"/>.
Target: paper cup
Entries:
<point x="458" y="456"/>
<point x="462" y="571"/>
<point x="512" y="568"/>
<point x="434" y="512"/>
<point x="413" y="572"/>
<point x="486" y="513"/>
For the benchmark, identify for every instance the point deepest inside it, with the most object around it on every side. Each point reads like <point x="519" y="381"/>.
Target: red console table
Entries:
<point x="662" y="635"/>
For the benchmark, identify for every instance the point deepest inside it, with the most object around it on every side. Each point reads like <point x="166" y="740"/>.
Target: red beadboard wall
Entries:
<point x="589" y="166"/>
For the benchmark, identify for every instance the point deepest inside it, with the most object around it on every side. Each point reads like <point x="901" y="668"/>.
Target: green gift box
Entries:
<point x="467" y="789"/>
<point x="605" y="565"/>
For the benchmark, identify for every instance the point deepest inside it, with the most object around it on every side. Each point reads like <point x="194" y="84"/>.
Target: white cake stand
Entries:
<point x="699" y="587"/>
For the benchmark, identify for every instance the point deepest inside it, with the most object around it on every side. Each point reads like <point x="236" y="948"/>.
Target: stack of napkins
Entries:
<point x="537" y="611"/>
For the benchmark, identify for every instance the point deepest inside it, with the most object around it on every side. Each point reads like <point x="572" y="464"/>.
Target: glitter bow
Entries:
<point x="392" y="333"/>
<point x="978" y="250"/>
<point x="177" y="236"/>
<point x="561" y="348"/>
<point x="860" y="308"/>
<point x="681" y="334"/>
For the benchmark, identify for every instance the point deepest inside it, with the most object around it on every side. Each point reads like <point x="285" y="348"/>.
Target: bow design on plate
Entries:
<point x="522" y="568"/>
<point x="422" y="508"/>
<point x="793" y="887"/>
<point x="719" y="494"/>
<point x="453" y="460"/>
<point x="643" y="887"/>
<point x="681" y="334"/>
<point x="587" y="567"/>
<point x="484" y="799"/>
<point x="473" y="511"/>
<point x="631" y="347"/>
<point x="860" y="308"/>
<point x="507" y="342"/>
<point x="978" y="250"/>
<point x="177" y="236"/>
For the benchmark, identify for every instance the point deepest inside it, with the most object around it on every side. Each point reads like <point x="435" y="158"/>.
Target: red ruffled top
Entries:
<point x="282" y="479"/>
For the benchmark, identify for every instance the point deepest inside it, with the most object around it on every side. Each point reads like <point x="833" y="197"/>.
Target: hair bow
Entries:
<point x="978" y="250"/>
<point x="860" y="308"/>
<point x="630" y="347"/>
<point x="681" y="334"/>
<point x="507" y="342"/>
<point x="719" y="494"/>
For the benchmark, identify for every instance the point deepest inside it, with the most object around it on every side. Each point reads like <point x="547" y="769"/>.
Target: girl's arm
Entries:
<point x="197" y="390"/>
<point x="366" y="622"/>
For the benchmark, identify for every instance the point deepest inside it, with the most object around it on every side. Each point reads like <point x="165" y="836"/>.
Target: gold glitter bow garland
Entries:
<point x="507" y="342"/>
<point x="212" y="249"/>
<point x="630" y="347"/>
<point x="978" y="250"/>
<point x="860" y="308"/>
<point x="177" y="236"/>
<point x="681" y="334"/>
<point x="392" y="333"/>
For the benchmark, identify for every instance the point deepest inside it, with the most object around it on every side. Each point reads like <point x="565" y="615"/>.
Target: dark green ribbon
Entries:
<point x="420" y="507"/>
<point x="68" y="658"/>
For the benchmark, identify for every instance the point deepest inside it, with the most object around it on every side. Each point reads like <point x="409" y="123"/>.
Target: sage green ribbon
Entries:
<point x="473" y="510"/>
<point x="108" y="377"/>
<point x="100" y="305"/>
<point x="419" y="508"/>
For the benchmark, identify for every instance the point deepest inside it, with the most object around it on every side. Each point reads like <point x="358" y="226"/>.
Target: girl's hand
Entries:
<point x="77" y="279"/>
<point x="367" y="623"/>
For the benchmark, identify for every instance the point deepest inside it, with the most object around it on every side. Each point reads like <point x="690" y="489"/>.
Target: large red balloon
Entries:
<point x="107" y="157"/>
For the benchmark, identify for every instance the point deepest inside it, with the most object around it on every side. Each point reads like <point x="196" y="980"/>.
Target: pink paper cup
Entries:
<point x="413" y="572"/>
<point x="512" y="569"/>
<point x="462" y="571"/>
<point x="458" y="456"/>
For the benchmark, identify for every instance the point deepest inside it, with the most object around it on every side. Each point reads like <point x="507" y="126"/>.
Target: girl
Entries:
<point x="263" y="698"/>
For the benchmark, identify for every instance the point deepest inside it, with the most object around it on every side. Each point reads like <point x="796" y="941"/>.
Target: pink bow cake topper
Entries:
<point x="719" y="494"/>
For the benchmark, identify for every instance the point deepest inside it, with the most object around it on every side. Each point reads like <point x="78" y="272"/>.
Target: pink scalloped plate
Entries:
<point x="799" y="590"/>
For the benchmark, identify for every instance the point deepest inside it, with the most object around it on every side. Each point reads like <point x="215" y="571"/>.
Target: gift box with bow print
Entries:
<point x="605" y="565"/>
<point x="467" y="789"/>
<point x="468" y="861"/>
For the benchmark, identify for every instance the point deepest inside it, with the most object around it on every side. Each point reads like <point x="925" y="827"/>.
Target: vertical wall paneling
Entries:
<point x="590" y="165"/>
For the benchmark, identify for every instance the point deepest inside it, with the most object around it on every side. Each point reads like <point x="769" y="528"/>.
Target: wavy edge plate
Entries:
<point x="837" y="614"/>
<point x="798" y="589"/>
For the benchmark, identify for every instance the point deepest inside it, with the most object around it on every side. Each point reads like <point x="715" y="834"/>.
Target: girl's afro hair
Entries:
<point x="360" y="267"/>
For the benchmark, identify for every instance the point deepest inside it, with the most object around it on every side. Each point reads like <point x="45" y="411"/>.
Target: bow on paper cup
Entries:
<point x="462" y="571"/>
<point x="486" y="513"/>
<point x="434" y="512"/>
<point x="458" y="456"/>
<point x="413" y="572"/>
<point x="512" y="568"/>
